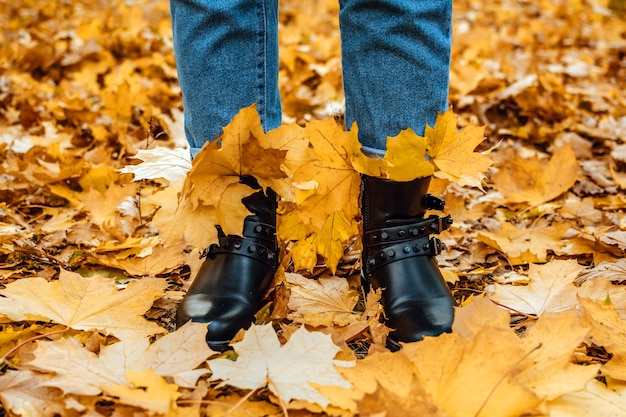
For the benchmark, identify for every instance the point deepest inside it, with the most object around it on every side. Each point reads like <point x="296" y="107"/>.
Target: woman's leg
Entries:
<point x="227" y="58"/>
<point x="396" y="63"/>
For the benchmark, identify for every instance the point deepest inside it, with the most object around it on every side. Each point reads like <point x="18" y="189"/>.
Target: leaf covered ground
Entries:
<point x="96" y="251"/>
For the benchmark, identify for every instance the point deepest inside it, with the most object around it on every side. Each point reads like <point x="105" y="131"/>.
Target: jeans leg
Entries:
<point x="396" y="64"/>
<point x="227" y="58"/>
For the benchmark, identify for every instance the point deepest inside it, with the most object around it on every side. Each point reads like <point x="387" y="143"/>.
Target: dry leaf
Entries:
<point x="79" y="371"/>
<point x="534" y="181"/>
<point x="608" y="330"/>
<point x="453" y="152"/>
<point x="596" y="400"/>
<point x="160" y="162"/>
<point x="326" y="301"/>
<point x="147" y="390"/>
<point x="552" y="288"/>
<point x="522" y="245"/>
<point x="85" y="303"/>
<point x="288" y="371"/>
<point x="406" y="157"/>
<point x="214" y="177"/>
<point x="550" y="344"/>
<point x="23" y="393"/>
<point x="338" y="183"/>
<point x="331" y="240"/>
<point x="386" y="402"/>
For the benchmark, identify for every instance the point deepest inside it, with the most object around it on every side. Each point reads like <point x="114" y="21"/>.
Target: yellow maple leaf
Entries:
<point x="178" y="222"/>
<point x="550" y="342"/>
<point x="304" y="253"/>
<point x="386" y="401"/>
<point x="598" y="399"/>
<point x="289" y="224"/>
<point x="289" y="370"/>
<point x="25" y="393"/>
<point x="329" y="242"/>
<point x="162" y="259"/>
<point x="406" y="157"/>
<point x="85" y="303"/>
<point x="76" y="370"/>
<point x="535" y="181"/>
<point x="326" y="190"/>
<point x="338" y="184"/>
<point x="552" y="289"/>
<point x="332" y="238"/>
<point x="608" y="330"/>
<point x="522" y="245"/>
<point x="148" y="391"/>
<point x="448" y="366"/>
<point x="326" y="301"/>
<point x="215" y="174"/>
<point x="516" y="373"/>
<point x="453" y="153"/>
<point x="539" y="364"/>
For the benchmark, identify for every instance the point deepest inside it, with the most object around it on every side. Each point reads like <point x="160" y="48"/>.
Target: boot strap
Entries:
<point x="394" y="243"/>
<point x="433" y="224"/>
<point x="258" y="243"/>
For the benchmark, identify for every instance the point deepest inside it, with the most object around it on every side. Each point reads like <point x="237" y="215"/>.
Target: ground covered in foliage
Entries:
<point x="93" y="262"/>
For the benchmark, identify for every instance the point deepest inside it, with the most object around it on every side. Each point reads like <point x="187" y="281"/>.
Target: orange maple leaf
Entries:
<point x="453" y="153"/>
<point x="535" y="181"/>
<point x="214" y="179"/>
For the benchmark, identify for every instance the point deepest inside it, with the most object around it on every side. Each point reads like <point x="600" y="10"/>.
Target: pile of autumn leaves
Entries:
<point x="81" y="344"/>
<point x="100" y="345"/>
<point x="316" y="171"/>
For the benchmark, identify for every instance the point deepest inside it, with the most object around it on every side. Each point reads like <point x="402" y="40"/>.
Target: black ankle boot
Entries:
<point x="398" y="256"/>
<point x="231" y="282"/>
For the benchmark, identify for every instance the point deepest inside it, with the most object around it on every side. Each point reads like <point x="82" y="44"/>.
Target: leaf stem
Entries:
<point x="32" y="339"/>
<point x="521" y="313"/>
<point x="241" y="401"/>
<point x="504" y="376"/>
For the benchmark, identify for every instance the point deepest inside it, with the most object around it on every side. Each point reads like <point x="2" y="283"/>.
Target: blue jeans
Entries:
<point x="395" y="62"/>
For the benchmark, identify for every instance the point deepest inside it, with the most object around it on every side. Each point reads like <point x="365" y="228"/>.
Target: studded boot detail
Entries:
<point x="398" y="256"/>
<point x="236" y="272"/>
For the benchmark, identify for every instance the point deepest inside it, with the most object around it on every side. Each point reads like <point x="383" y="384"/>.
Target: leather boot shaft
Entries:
<point x="228" y="289"/>
<point x="386" y="203"/>
<point x="399" y="257"/>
